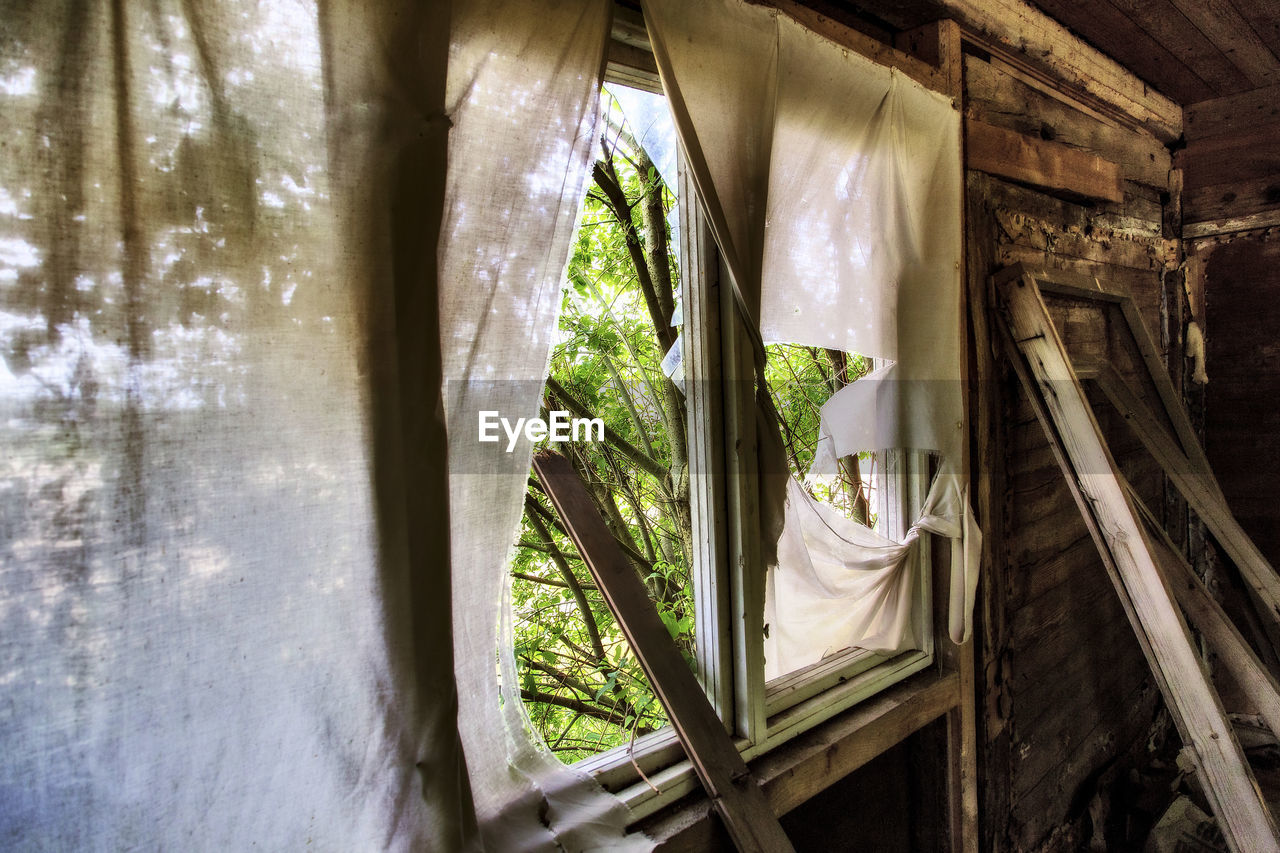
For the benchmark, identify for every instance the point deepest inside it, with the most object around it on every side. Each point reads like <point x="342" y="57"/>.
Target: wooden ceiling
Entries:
<point x="1190" y="50"/>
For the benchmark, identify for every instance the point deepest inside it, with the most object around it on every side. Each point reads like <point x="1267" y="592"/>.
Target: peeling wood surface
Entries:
<point x="1232" y="225"/>
<point x="1041" y="163"/>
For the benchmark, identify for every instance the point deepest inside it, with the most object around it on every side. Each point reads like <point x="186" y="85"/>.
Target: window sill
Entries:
<point x="677" y="780"/>
<point x="814" y="759"/>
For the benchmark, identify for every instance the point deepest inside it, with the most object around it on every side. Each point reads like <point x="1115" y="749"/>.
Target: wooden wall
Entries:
<point x="1232" y="162"/>
<point x="1232" y="210"/>
<point x="1239" y="278"/>
<point x="1069" y="701"/>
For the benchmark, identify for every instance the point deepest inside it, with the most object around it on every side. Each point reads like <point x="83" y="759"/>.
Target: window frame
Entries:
<point x="653" y="772"/>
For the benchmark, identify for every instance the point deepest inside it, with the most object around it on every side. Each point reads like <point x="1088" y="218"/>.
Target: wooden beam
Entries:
<point x="998" y="94"/>
<point x="1231" y="225"/>
<point x="1192" y="477"/>
<point x="1208" y="617"/>
<point x="1180" y="455"/>
<point x="938" y="44"/>
<point x="729" y="784"/>
<point x="962" y="758"/>
<point x="920" y="71"/>
<point x="1018" y="31"/>
<point x="1090" y="470"/>
<point x="1042" y="163"/>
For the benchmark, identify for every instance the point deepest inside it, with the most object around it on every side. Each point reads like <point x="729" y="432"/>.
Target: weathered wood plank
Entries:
<point x="1222" y="25"/>
<point x="1138" y="217"/>
<point x="728" y="782"/>
<point x="1163" y="20"/>
<point x="1144" y="52"/>
<point x="1232" y="225"/>
<point x="1246" y="197"/>
<point x="1051" y="165"/>
<point x="1092" y="747"/>
<point x="1252" y="152"/>
<point x="1264" y="17"/>
<point x="1136" y="252"/>
<point x="1089" y="468"/>
<point x="1232" y="114"/>
<point x="1042" y="758"/>
<point x="1000" y="98"/>
<point x="1021" y="31"/>
<point x="988" y="477"/>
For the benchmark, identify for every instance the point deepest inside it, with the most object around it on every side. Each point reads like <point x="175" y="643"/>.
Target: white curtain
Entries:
<point x="833" y="187"/>
<point x="237" y="285"/>
<point x="209" y="638"/>
<point x="523" y="97"/>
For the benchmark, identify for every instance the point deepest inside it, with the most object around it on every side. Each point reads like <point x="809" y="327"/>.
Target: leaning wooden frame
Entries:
<point x="1150" y="577"/>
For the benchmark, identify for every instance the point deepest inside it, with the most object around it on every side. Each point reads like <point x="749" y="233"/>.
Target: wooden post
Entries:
<point x="729" y="784"/>
<point x="1191" y="475"/>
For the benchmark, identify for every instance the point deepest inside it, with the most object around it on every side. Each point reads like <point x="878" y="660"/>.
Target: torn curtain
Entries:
<point x="832" y="186"/>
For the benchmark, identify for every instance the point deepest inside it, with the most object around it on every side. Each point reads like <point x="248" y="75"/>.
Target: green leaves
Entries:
<point x="607" y="358"/>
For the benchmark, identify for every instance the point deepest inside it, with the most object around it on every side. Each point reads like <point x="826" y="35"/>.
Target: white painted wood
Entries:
<point x="1212" y="621"/>
<point x="1191" y="475"/>
<point x="702" y="353"/>
<point x="746" y="566"/>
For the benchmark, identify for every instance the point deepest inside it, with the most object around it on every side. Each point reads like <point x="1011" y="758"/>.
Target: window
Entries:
<point x="617" y="359"/>
<point x="668" y="368"/>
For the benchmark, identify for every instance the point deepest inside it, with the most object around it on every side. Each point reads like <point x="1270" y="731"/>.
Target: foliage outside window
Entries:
<point x="583" y="688"/>
<point x="615" y="359"/>
<point x="801" y="379"/>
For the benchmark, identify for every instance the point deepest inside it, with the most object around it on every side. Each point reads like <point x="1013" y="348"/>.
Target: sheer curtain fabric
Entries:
<point x="226" y="340"/>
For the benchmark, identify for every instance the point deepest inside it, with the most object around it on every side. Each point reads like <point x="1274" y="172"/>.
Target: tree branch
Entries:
<point x="550" y="518"/>
<point x="616" y="200"/>
<point x="635" y="454"/>
<point x="547" y="581"/>
<point x="593" y="630"/>
<point x="574" y="704"/>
